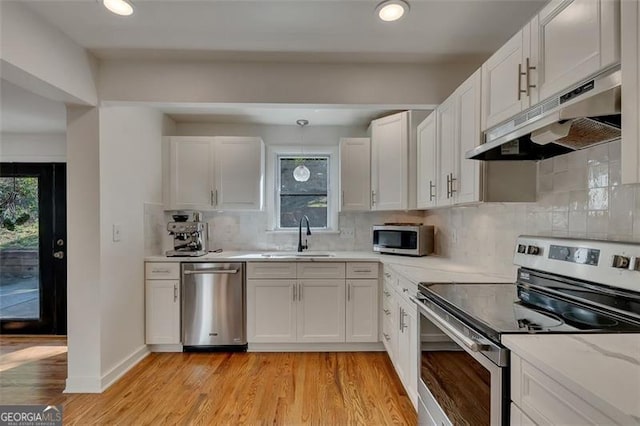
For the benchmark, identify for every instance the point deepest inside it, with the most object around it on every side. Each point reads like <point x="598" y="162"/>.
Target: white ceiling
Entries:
<point x="24" y="112"/>
<point x="306" y="30"/>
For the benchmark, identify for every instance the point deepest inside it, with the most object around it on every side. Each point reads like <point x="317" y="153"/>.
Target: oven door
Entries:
<point x="458" y="383"/>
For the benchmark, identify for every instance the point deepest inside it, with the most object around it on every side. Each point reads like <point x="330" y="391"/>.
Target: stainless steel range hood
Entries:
<point x="585" y="115"/>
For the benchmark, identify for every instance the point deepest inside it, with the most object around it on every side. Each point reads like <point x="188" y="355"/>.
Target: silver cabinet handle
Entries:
<point x="300" y="292"/>
<point x="388" y="275"/>
<point x="342" y="202"/>
<point x="528" y="77"/>
<point x="520" y="74"/>
<point x="431" y="188"/>
<point x="175" y="292"/>
<point x="160" y="271"/>
<point x="295" y="287"/>
<point x="453" y="191"/>
<point x="448" y="186"/>
<point x="211" y="271"/>
<point x="403" y="314"/>
<point x="348" y="292"/>
<point x="386" y="293"/>
<point x="211" y="199"/>
<point x="362" y="270"/>
<point x="216" y="197"/>
<point x="373" y="197"/>
<point x="386" y="337"/>
<point x="471" y="344"/>
<point x="386" y="311"/>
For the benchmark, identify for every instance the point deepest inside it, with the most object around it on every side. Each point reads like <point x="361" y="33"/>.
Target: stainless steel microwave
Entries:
<point x="407" y="239"/>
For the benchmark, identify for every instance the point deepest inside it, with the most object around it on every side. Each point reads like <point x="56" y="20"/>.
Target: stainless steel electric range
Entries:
<point x="562" y="286"/>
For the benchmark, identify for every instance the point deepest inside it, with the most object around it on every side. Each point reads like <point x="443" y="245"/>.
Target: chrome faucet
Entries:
<point x="301" y="246"/>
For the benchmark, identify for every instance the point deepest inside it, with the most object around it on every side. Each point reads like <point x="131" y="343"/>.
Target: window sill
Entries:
<point x="295" y="231"/>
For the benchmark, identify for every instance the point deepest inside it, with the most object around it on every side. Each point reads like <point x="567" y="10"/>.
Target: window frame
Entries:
<point x="274" y="153"/>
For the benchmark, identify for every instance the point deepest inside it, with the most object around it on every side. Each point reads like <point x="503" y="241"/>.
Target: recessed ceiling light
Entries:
<point x="119" y="7"/>
<point x="392" y="10"/>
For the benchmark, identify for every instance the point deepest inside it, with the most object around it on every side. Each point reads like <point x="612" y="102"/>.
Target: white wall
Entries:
<point x="288" y="83"/>
<point x="33" y="147"/>
<point x="83" y="250"/>
<point x="42" y="59"/>
<point x="130" y="175"/>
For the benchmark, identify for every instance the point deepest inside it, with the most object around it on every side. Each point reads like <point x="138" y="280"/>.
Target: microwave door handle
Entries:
<point x="471" y="344"/>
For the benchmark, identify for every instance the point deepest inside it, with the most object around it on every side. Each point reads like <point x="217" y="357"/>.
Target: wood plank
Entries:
<point x="218" y="388"/>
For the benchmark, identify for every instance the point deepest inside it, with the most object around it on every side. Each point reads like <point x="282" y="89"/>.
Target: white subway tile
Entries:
<point x="598" y="199"/>
<point x="577" y="223"/>
<point x="598" y="175"/>
<point x="560" y="163"/>
<point x="597" y="223"/>
<point x="578" y="200"/>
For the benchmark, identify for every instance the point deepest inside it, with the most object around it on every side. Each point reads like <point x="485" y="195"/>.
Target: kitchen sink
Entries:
<point x="307" y="254"/>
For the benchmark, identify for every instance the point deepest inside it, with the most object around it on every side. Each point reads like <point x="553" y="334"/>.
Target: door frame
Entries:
<point x="51" y="198"/>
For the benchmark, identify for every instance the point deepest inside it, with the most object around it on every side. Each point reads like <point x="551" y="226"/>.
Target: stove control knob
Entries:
<point x="522" y="248"/>
<point x="534" y="250"/>
<point x="620" y="262"/>
<point x="635" y="264"/>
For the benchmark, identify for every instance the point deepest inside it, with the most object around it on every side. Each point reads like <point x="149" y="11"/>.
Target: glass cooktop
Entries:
<point x="496" y="309"/>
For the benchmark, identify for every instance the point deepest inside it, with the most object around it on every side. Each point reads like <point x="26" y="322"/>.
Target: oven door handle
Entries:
<point x="470" y="344"/>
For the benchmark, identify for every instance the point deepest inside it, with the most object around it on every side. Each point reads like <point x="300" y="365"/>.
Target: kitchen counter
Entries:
<point x="416" y="269"/>
<point x="603" y="369"/>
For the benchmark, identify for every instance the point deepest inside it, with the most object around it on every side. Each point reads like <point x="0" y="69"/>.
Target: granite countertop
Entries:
<point x="415" y="269"/>
<point x="614" y="385"/>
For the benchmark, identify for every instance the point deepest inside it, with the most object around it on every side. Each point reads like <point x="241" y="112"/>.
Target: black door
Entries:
<point x="33" y="240"/>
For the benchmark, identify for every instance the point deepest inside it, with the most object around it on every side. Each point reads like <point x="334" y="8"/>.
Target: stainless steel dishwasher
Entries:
<point x="213" y="307"/>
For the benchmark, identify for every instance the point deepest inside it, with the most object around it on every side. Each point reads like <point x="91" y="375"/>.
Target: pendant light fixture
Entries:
<point x="301" y="173"/>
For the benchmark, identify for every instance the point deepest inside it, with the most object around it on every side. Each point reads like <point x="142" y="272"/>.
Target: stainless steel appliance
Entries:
<point x="213" y="306"/>
<point x="584" y="115"/>
<point x="562" y="286"/>
<point x="189" y="238"/>
<point x="411" y="239"/>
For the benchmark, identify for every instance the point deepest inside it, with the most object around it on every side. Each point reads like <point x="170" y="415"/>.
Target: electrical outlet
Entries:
<point x="454" y="236"/>
<point x="116" y="232"/>
<point x="347" y="233"/>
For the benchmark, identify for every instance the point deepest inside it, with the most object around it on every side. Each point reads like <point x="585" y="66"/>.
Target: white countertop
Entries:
<point x="603" y="369"/>
<point x="415" y="269"/>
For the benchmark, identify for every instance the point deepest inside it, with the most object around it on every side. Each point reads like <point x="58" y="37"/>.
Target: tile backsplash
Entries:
<point x="579" y="195"/>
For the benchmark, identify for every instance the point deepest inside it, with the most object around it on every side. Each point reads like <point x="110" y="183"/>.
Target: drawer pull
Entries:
<point x="386" y="337"/>
<point x="387" y="312"/>
<point x="387" y="294"/>
<point x="160" y="271"/>
<point x="388" y="275"/>
<point x="362" y="270"/>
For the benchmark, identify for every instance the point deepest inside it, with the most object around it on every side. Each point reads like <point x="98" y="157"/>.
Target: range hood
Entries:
<point x="588" y="114"/>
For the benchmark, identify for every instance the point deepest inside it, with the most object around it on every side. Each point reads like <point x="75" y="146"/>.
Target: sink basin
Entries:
<point x="304" y="254"/>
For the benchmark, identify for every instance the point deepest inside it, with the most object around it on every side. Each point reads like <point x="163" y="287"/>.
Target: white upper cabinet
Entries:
<point x="393" y="161"/>
<point x="355" y="174"/>
<point x="567" y="42"/>
<point x="190" y="173"/>
<point x="446" y="150"/>
<point x="238" y="170"/>
<point x="503" y="84"/>
<point x="631" y="96"/>
<point x="207" y="173"/>
<point x="572" y="40"/>
<point x="389" y="162"/>
<point x="427" y="162"/>
<point x="466" y="179"/>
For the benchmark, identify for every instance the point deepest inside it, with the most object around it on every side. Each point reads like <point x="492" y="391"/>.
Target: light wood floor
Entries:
<point x="221" y="389"/>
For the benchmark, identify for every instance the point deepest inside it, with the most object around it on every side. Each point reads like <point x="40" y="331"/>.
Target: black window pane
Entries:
<point x="317" y="183"/>
<point x="294" y="207"/>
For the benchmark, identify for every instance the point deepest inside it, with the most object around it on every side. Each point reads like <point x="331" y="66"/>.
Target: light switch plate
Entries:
<point x="116" y="232"/>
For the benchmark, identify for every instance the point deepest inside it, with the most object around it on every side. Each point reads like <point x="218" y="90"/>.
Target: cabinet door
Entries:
<point x="355" y="174"/>
<point x="389" y="143"/>
<point x="631" y="98"/>
<point x="407" y="360"/>
<point x="271" y="311"/>
<point x="573" y="39"/>
<point x="191" y="173"/>
<point x="467" y="175"/>
<point x="518" y="418"/>
<point x="362" y="311"/>
<point x="501" y="82"/>
<point x="239" y="173"/>
<point x="162" y="312"/>
<point x="427" y="162"/>
<point x="321" y="310"/>
<point x="446" y="150"/>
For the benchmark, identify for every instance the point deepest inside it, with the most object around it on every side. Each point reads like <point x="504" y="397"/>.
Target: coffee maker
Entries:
<point x="189" y="238"/>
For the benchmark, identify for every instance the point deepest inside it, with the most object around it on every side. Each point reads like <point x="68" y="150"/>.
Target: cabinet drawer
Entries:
<point x="321" y="270"/>
<point x="362" y="270"/>
<point x="162" y="270"/>
<point x="269" y="270"/>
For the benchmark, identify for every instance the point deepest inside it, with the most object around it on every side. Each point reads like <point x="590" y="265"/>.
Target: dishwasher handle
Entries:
<point x="211" y="271"/>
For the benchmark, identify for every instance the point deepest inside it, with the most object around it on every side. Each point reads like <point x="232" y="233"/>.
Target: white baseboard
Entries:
<point x="316" y="347"/>
<point x="165" y="348"/>
<point x="82" y="385"/>
<point x="121" y="368"/>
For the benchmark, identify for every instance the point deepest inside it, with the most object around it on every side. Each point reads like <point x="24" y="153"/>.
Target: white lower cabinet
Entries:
<point x="162" y="312"/>
<point x="162" y="303"/>
<point x="400" y="327"/>
<point x="518" y="418"/>
<point x="271" y="310"/>
<point x="317" y="305"/>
